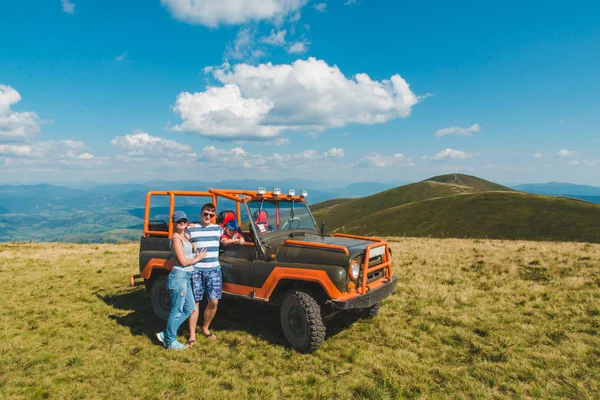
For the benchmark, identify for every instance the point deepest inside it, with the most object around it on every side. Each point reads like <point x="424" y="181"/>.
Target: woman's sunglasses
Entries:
<point x="182" y="221"/>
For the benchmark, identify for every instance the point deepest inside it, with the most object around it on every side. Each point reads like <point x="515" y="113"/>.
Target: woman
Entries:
<point x="179" y="283"/>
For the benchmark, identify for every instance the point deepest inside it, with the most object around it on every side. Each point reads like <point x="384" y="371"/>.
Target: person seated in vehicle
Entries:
<point x="231" y="234"/>
<point x="261" y="219"/>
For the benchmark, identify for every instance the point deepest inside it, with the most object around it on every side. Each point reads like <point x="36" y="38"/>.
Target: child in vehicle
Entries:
<point x="231" y="235"/>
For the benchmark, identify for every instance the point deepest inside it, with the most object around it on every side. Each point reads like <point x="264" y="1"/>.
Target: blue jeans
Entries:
<point x="179" y="285"/>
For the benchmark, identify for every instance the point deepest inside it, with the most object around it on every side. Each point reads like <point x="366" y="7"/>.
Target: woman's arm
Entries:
<point x="178" y="249"/>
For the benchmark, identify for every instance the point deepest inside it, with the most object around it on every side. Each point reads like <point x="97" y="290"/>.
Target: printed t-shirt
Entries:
<point x="226" y="236"/>
<point x="206" y="237"/>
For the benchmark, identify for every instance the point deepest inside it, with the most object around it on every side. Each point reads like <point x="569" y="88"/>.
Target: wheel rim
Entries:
<point x="164" y="299"/>
<point x="296" y="322"/>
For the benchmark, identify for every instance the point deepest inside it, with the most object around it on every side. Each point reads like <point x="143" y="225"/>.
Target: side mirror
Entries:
<point x="323" y="227"/>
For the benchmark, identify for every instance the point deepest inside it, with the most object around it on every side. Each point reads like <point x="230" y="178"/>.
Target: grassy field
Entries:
<point x="469" y="319"/>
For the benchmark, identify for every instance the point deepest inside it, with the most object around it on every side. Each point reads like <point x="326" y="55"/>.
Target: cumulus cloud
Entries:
<point x="231" y="12"/>
<point x="15" y="126"/>
<point x="375" y="160"/>
<point x="140" y="144"/>
<point x="67" y="6"/>
<point x="566" y="153"/>
<point x="16" y="150"/>
<point x="537" y="154"/>
<point x="448" y="154"/>
<point x="276" y="38"/>
<point x="259" y="102"/>
<point x="455" y="130"/>
<point x="334" y="153"/>
<point x="299" y="47"/>
<point x="309" y="159"/>
<point x="244" y="46"/>
<point x="320" y="7"/>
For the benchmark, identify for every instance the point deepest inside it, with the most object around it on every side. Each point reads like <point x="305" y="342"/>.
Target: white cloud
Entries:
<point x="566" y="153"/>
<point x="140" y="144"/>
<point x="334" y="153"/>
<point x="455" y="130"/>
<point x="121" y="57"/>
<point x="310" y="159"/>
<point x="277" y="142"/>
<point x="46" y="156"/>
<point x="231" y="12"/>
<point x="276" y="38"/>
<point x="16" y="150"/>
<point x="223" y="112"/>
<point x="15" y="126"/>
<point x="320" y="7"/>
<point x="375" y="160"/>
<point x="299" y="47"/>
<point x="349" y="2"/>
<point x="448" y="154"/>
<point x="67" y="6"/>
<point x="244" y="46"/>
<point x="258" y="102"/>
<point x="537" y="154"/>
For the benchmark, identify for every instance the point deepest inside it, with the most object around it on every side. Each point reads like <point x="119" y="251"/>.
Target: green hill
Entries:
<point x="498" y="215"/>
<point x="471" y="181"/>
<point x="348" y="210"/>
<point x="463" y="206"/>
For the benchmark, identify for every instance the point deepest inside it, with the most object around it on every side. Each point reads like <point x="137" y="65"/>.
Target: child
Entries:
<point x="231" y="234"/>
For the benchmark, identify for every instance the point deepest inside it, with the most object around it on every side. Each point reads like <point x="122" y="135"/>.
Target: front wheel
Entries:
<point x="301" y="321"/>
<point x="159" y="297"/>
<point x="367" y="312"/>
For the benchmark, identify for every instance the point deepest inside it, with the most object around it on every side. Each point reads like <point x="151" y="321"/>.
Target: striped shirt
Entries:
<point x="206" y="237"/>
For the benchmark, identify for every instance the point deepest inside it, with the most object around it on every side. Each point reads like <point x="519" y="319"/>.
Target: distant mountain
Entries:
<point x="559" y="188"/>
<point x="114" y="212"/>
<point x="462" y="206"/>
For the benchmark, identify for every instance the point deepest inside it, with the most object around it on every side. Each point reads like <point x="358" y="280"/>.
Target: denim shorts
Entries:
<point x="207" y="281"/>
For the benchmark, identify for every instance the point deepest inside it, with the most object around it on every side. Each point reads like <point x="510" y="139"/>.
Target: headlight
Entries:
<point x="354" y="270"/>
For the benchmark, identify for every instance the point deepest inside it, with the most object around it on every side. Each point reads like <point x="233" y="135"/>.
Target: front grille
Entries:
<point x="376" y="275"/>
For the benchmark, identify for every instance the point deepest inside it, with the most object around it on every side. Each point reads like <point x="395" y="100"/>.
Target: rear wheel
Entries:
<point x="159" y="297"/>
<point x="301" y="321"/>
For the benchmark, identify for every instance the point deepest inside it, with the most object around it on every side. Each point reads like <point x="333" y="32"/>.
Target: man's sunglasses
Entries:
<point x="207" y="214"/>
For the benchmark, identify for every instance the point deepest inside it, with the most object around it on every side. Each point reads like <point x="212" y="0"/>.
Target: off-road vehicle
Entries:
<point x="285" y="261"/>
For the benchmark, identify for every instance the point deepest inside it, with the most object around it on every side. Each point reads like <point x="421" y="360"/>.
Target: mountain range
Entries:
<point x="454" y="205"/>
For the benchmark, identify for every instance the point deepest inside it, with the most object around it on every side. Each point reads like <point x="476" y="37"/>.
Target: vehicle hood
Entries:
<point x="316" y="254"/>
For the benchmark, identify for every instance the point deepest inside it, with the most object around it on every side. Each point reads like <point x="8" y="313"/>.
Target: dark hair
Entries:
<point x="208" y="206"/>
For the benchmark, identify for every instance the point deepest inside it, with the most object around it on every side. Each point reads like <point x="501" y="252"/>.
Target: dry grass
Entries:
<point x="470" y="318"/>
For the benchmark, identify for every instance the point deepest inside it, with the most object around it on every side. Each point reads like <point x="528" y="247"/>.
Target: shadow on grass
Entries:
<point x="260" y="320"/>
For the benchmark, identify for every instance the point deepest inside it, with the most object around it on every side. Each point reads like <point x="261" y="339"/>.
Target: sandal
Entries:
<point x="191" y="342"/>
<point x="210" y="336"/>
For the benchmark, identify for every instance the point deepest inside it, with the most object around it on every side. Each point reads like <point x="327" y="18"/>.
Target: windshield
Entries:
<point x="274" y="216"/>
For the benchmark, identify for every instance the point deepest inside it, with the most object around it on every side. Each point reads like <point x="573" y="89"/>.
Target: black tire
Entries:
<point x="301" y="321"/>
<point x="159" y="297"/>
<point x="370" y="312"/>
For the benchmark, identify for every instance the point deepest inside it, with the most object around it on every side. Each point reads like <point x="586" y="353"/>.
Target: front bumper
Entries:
<point x="368" y="299"/>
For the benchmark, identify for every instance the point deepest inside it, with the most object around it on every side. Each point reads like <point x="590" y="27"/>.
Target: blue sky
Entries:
<point x="341" y="90"/>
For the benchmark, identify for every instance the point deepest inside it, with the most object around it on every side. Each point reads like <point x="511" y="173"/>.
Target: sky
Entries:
<point x="342" y="90"/>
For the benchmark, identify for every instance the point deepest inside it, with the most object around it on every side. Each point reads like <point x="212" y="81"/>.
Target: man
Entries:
<point x="206" y="278"/>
